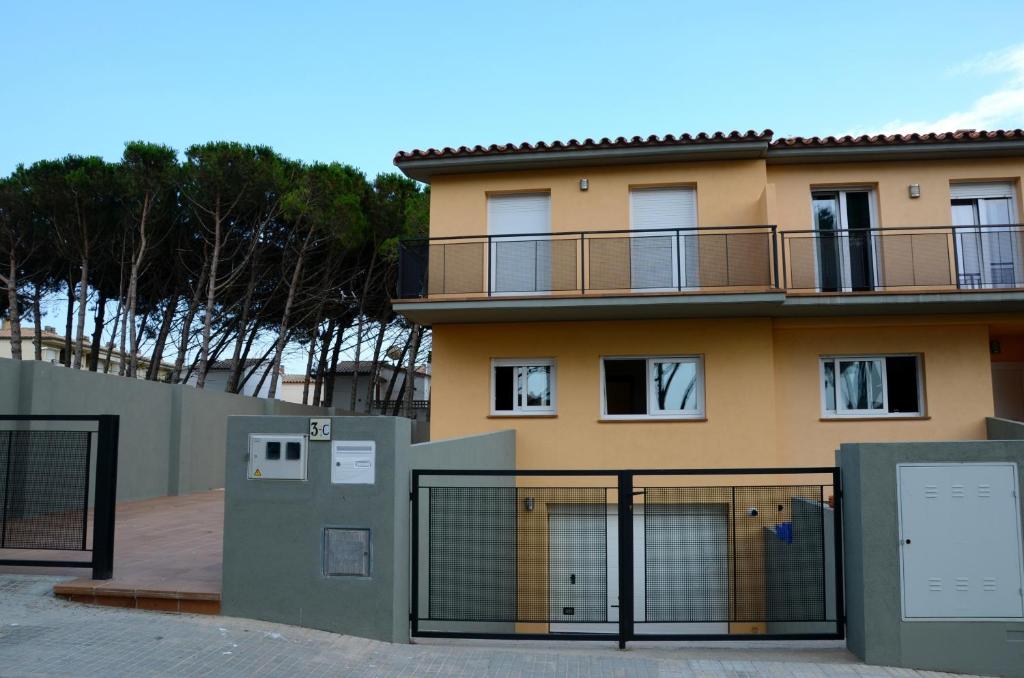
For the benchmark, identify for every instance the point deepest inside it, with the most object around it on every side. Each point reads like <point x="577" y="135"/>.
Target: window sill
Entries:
<point x="634" y="420"/>
<point x="524" y="415"/>
<point x="868" y="417"/>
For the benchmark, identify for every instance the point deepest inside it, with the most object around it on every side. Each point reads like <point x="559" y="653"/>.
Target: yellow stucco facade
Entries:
<point x="762" y="376"/>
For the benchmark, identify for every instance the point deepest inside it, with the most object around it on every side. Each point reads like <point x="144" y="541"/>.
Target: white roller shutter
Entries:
<point x="967" y="191"/>
<point x="520" y="224"/>
<point x="654" y="257"/>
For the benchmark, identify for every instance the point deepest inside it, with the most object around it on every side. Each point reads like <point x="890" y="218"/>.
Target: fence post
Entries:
<point x="625" y="557"/>
<point x="956" y="258"/>
<point x="837" y="514"/>
<point x="105" y="497"/>
<point x="775" y="254"/>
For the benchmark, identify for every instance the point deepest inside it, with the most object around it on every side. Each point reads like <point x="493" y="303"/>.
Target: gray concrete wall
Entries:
<point x="876" y="630"/>
<point x="273" y="530"/>
<point x="171" y="436"/>
<point x="1004" y="429"/>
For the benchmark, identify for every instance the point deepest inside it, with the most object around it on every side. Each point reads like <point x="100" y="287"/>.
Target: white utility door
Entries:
<point x="689" y="580"/>
<point x="520" y="228"/>
<point x="960" y="541"/>
<point x="657" y="260"/>
<point x="989" y="248"/>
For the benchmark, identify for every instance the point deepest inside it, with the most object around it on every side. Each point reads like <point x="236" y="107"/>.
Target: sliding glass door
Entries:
<point x="989" y="247"/>
<point x="844" y="220"/>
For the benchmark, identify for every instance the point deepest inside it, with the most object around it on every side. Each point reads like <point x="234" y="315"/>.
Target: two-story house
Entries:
<point x="721" y="300"/>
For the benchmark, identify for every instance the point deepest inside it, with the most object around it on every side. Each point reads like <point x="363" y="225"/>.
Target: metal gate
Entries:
<point x="52" y="469"/>
<point x="665" y="554"/>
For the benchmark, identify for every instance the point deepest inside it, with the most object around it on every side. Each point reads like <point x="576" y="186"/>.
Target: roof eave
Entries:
<point x="424" y="169"/>
<point x="933" y="151"/>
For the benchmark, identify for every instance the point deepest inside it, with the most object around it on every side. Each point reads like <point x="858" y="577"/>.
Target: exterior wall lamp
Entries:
<point x="584" y="184"/>
<point x="914" y="190"/>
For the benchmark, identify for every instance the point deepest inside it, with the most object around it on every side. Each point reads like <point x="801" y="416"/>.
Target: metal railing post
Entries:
<point x="956" y="258"/>
<point x="583" y="265"/>
<point x="414" y="529"/>
<point x="837" y="512"/>
<point x="625" y="517"/>
<point x="105" y="497"/>
<point x="679" y="262"/>
<point x="782" y="275"/>
<point x="490" y="263"/>
<point x="775" y="255"/>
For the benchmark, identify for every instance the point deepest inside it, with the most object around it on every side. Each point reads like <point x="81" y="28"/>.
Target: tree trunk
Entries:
<point x="186" y="324"/>
<point x="243" y="322"/>
<point x="410" y="369"/>
<point x="309" y="368"/>
<point x="122" y="361"/>
<point x="394" y="374"/>
<point x="37" y="321"/>
<point x="83" y="296"/>
<point x="96" y="343"/>
<point x="359" y="331"/>
<point x="133" y="287"/>
<point x="153" y="373"/>
<point x="374" y="369"/>
<point x="321" y="364"/>
<point x="263" y="377"/>
<point x="69" y="322"/>
<point x="12" y="303"/>
<point x="211" y="298"/>
<point x="333" y="367"/>
<point x="282" y="333"/>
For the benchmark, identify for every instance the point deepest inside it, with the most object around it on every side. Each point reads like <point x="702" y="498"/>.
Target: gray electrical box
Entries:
<point x="277" y="457"/>
<point x="346" y="552"/>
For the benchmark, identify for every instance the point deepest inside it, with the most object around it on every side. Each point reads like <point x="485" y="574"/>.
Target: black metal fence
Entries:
<point x="51" y="469"/>
<point x="585" y="262"/>
<point x="879" y="259"/>
<point x="627" y="555"/>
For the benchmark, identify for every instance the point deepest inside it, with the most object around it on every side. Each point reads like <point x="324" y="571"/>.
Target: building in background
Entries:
<point x="53" y="351"/>
<point x="255" y="378"/>
<point x="294" y="384"/>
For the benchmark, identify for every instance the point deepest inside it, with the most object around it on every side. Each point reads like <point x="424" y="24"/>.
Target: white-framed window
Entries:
<point x="665" y="387"/>
<point x="522" y="386"/>
<point x="872" y="386"/>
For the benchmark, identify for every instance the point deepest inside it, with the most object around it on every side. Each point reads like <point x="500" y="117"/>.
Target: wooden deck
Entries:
<point x="167" y="556"/>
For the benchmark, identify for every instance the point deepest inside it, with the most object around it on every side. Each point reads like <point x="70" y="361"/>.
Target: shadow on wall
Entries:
<point x="172" y="435"/>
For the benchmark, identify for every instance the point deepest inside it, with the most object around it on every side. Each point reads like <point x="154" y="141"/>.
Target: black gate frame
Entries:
<point x="105" y="494"/>
<point x="625" y="487"/>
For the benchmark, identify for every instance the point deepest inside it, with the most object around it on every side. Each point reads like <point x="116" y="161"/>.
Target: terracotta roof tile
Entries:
<point x="584" y="145"/>
<point x="962" y="136"/>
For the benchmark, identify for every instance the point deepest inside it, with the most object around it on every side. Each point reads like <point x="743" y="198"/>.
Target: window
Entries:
<point x="871" y="386"/>
<point x="666" y="387"/>
<point x="519" y="226"/>
<point x="522" y="387"/>
<point x="988" y="243"/>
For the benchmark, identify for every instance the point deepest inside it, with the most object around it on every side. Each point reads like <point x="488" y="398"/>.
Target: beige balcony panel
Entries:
<point x="608" y="260"/>
<point x="457" y="268"/>
<point x="801" y="263"/>
<point x="749" y="259"/>
<point x="564" y="270"/>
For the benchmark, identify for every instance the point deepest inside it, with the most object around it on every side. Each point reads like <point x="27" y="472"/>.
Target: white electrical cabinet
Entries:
<point x="353" y="462"/>
<point x="960" y="541"/>
<point x="277" y="457"/>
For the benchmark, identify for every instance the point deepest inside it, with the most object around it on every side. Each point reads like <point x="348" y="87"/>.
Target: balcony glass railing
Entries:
<point x="591" y="262"/>
<point x="885" y="259"/>
<point x="734" y="258"/>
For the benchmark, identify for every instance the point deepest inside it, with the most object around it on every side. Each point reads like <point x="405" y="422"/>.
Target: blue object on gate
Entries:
<point x="784" y="531"/>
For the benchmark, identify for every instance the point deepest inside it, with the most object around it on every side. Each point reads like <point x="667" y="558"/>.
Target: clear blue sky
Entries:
<point x="357" y="81"/>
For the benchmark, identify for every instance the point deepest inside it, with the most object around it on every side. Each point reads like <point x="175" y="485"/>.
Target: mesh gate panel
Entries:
<point x="44" y="489"/>
<point x="507" y="554"/>
<point x="686" y="548"/>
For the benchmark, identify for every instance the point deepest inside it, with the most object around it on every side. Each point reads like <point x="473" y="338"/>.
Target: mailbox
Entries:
<point x="353" y="462"/>
<point x="277" y="457"/>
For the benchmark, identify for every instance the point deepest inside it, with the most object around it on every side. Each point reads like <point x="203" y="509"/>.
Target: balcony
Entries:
<point x="946" y="258"/>
<point x="711" y="272"/>
<point x="738" y="258"/>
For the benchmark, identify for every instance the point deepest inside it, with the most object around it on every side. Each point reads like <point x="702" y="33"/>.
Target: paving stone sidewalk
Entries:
<point x="41" y="635"/>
